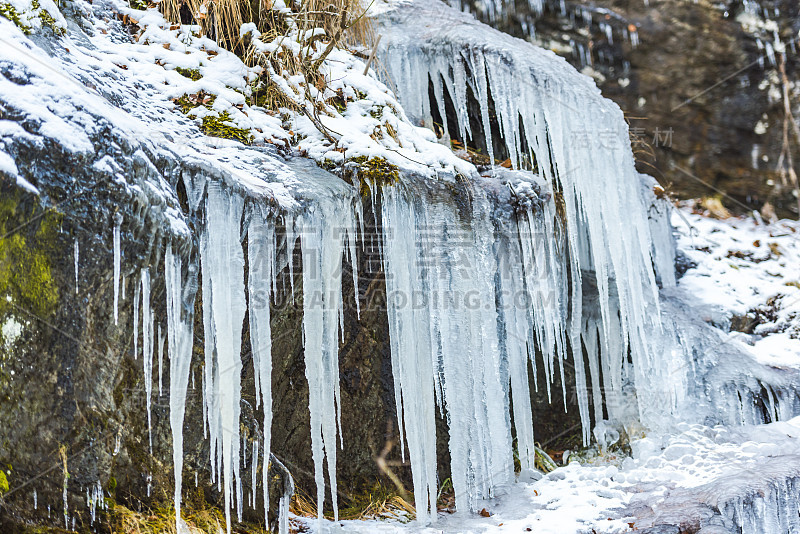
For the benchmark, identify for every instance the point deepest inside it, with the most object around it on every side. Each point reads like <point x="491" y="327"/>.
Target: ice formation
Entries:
<point x="535" y="267"/>
<point x="161" y="340"/>
<point x="327" y="230"/>
<point x="180" y="321"/>
<point x="261" y="277"/>
<point x="224" y="307"/>
<point x="75" y="253"/>
<point x="147" y="350"/>
<point x="544" y="110"/>
<point x="117" y="261"/>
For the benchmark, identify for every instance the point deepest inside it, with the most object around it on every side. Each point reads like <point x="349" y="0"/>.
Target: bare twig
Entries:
<point x="372" y="55"/>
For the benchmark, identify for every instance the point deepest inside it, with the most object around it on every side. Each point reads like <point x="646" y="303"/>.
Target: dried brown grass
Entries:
<point x="342" y="20"/>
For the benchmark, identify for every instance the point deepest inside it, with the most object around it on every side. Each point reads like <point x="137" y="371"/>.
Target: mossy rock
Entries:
<point x="192" y="74"/>
<point x="376" y="171"/>
<point x="219" y="126"/>
<point x="11" y="13"/>
<point x="26" y="280"/>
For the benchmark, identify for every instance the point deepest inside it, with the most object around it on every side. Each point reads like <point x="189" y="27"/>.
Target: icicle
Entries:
<point x="462" y="318"/>
<point x="254" y="478"/>
<point x="117" y="264"/>
<point x="261" y="261"/>
<point x="180" y="322"/>
<point x="136" y="321"/>
<point x="412" y="361"/>
<point x="160" y="360"/>
<point x="75" y="249"/>
<point x="323" y="230"/>
<point x="223" y="266"/>
<point x="603" y="225"/>
<point x="64" y="496"/>
<point x="516" y="326"/>
<point x="147" y="349"/>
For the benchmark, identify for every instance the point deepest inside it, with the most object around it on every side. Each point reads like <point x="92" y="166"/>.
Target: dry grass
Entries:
<point x="380" y="502"/>
<point x="342" y="20"/>
<point x="162" y="521"/>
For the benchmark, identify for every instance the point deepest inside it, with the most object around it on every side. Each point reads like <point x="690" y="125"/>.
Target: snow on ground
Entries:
<point x="670" y="479"/>
<point x="748" y="273"/>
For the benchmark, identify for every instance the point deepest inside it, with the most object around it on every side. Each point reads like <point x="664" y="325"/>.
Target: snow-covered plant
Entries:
<point x="32" y="15"/>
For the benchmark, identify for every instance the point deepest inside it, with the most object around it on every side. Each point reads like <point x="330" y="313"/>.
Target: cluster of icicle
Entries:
<point x="328" y="230"/>
<point x="548" y="113"/>
<point x="468" y="360"/>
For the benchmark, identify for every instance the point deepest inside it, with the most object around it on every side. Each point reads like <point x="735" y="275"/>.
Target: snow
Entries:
<point x="701" y="475"/>
<point x="749" y="270"/>
<point x="30" y="15"/>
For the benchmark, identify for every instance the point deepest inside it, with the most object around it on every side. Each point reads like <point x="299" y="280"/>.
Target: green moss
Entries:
<point x="192" y="74"/>
<point x="376" y="171"/>
<point x="26" y="278"/>
<point x="187" y="102"/>
<point x="329" y="165"/>
<point x="10" y="12"/>
<point x="3" y="482"/>
<point x="141" y="5"/>
<point x="339" y="103"/>
<point x="218" y="127"/>
<point x="48" y="20"/>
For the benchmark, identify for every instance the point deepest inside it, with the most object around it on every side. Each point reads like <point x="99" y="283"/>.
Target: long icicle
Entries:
<point x="261" y="258"/>
<point x="223" y="264"/>
<point x="180" y="320"/>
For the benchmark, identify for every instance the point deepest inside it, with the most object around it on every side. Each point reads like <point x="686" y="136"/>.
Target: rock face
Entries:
<point x="700" y="84"/>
